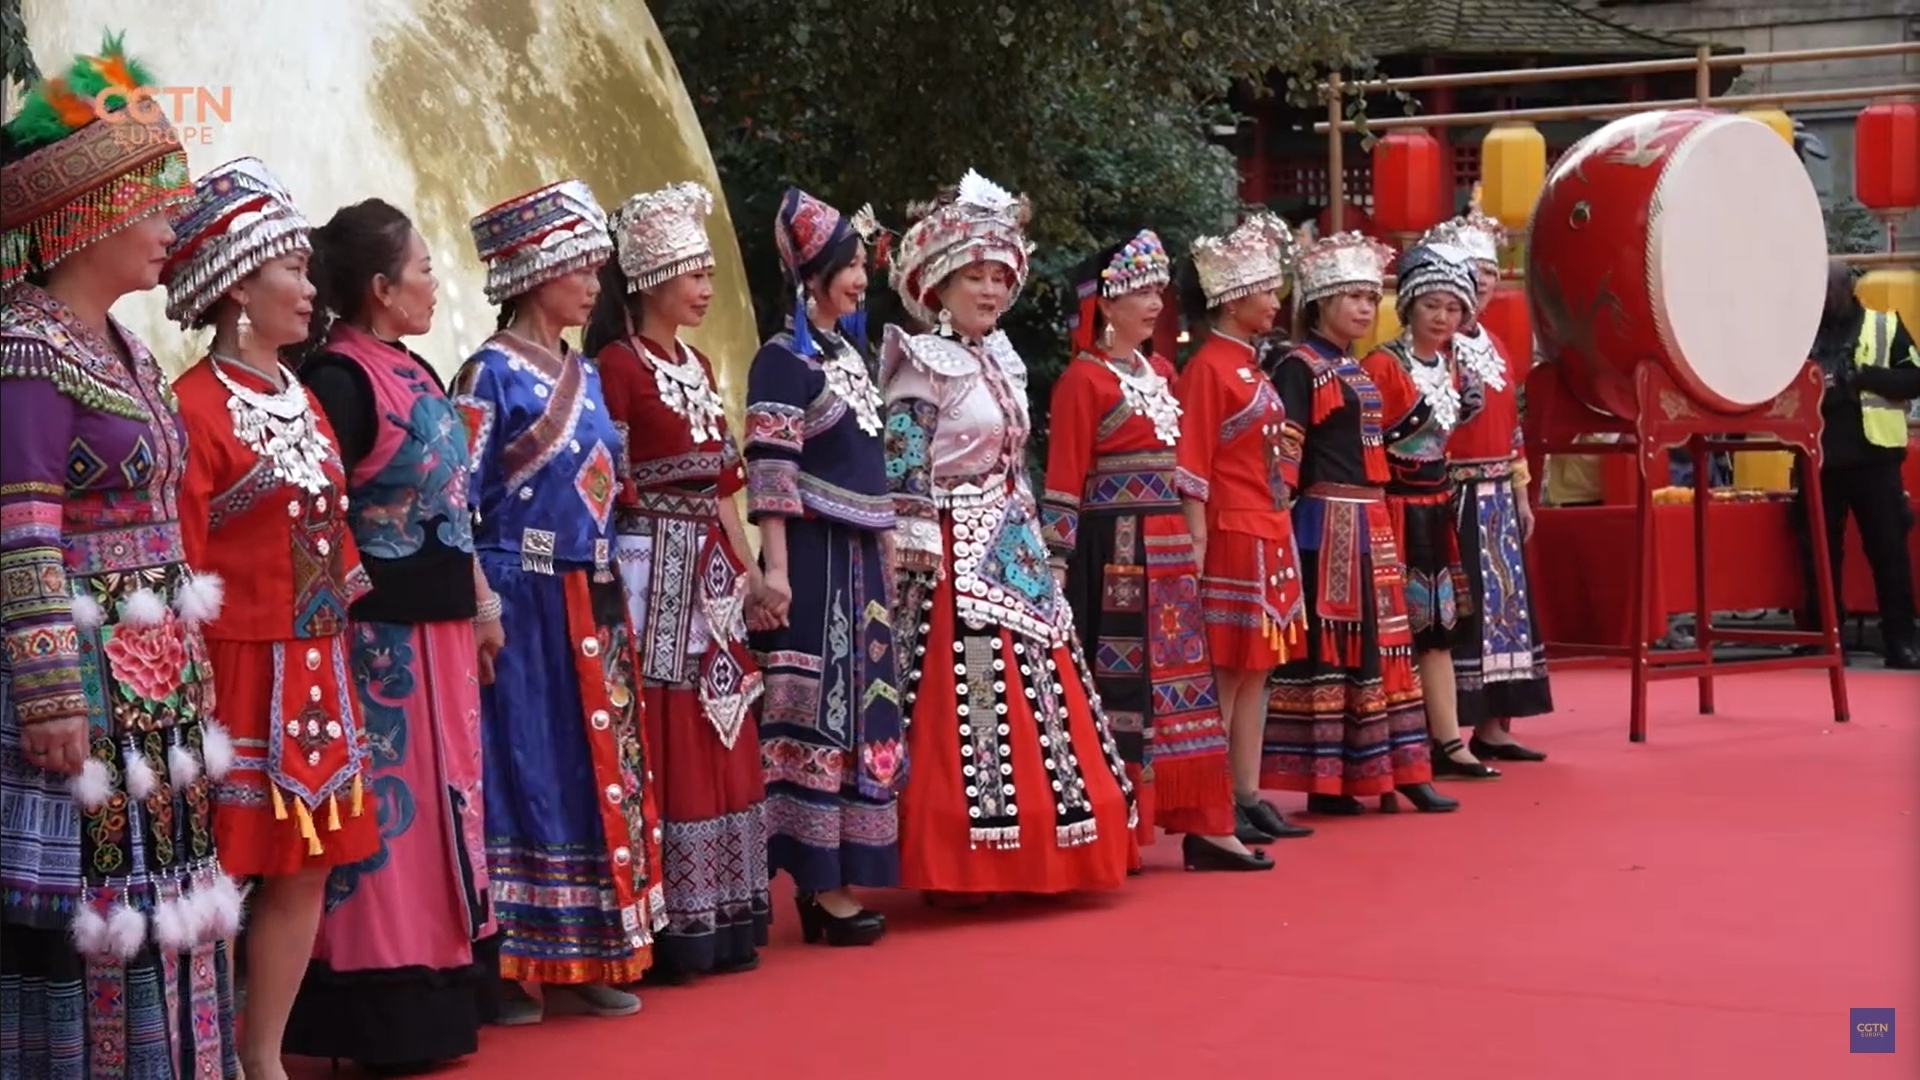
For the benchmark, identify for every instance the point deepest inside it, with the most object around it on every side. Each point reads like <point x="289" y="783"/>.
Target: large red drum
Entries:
<point x="1689" y="238"/>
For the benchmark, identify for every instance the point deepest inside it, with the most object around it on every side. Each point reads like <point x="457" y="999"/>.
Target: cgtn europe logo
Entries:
<point x="196" y="112"/>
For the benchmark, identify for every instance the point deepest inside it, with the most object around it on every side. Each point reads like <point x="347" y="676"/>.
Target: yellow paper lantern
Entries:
<point x="1780" y="122"/>
<point x="1892" y="290"/>
<point x="1513" y="166"/>
<point x="1386" y="327"/>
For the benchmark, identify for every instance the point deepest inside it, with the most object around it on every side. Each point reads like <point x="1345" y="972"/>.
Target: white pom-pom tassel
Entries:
<point x="224" y="906"/>
<point x="199" y="598"/>
<point x="216" y="747"/>
<point x="181" y="766"/>
<point x="172" y="927"/>
<point x="89" y="931"/>
<point x="141" y="781"/>
<point x="126" y="931"/>
<point x="197" y="908"/>
<point x="87" y="614"/>
<point x="92" y="786"/>
<point x="143" y="608"/>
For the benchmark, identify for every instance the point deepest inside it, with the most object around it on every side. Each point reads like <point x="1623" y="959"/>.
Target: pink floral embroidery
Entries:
<point x="149" y="660"/>
<point x="882" y="760"/>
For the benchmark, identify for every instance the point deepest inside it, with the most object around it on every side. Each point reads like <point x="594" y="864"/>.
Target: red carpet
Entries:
<point x="1710" y="903"/>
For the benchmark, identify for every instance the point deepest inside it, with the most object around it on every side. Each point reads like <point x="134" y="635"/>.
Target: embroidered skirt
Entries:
<point x="159" y="1016"/>
<point x="998" y="719"/>
<point x="1345" y="716"/>
<point x="713" y="849"/>
<point x="1499" y="661"/>
<point x="1135" y="594"/>
<point x="1436" y="583"/>
<point x="296" y="796"/>
<point x="830" y="737"/>
<point x="393" y="977"/>
<point x="1250" y="592"/>
<point x="572" y="844"/>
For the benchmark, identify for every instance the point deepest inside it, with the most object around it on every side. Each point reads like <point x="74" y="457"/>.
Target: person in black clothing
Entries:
<point x="1860" y="473"/>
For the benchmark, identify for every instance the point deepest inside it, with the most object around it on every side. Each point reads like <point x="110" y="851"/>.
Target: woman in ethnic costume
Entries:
<point x="688" y="568"/>
<point x="1424" y="394"/>
<point x="1343" y="714"/>
<point x="830" y="728"/>
<point x="1230" y="432"/>
<point x="1017" y="785"/>
<point x="1117" y="471"/>
<point x="115" y="911"/>
<point x="573" y="850"/>
<point x="1500" y="661"/>
<point x="263" y="506"/>
<point x="394" y="984"/>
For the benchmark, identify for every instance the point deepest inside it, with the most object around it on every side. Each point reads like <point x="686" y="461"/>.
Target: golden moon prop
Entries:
<point x="441" y="107"/>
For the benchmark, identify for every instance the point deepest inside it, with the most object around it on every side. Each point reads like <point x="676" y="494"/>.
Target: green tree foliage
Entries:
<point x="17" y="69"/>
<point x="1852" y="229"/>
<point x="1099" y="111"/>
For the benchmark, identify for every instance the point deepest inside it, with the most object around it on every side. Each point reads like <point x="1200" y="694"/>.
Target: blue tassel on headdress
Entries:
<point x="854" y="326"/>
<point x="802" y="326"/>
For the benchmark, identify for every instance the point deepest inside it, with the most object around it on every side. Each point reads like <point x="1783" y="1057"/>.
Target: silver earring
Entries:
<point x="1106" y="336"/>
<point x="944" y="324"/>
<point x="244" y="328"/>
<point x="813" y="306"/>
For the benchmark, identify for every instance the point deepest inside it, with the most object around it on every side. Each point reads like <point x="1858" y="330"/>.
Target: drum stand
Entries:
<point x="1669" y="417"/>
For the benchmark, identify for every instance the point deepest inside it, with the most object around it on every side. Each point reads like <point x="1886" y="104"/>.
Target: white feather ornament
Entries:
<point x="181" y="766"/>
<point x="141" y="780"/>
<point x="216" y="748"/>
<point x="87" y="614"/>
<point x="143" y="608"/>
<point x="172" y="928"/>
<point x="92" y="786"/>
<point x="126" y="931"/>
<point x="89" y="931"/>
<point x="200" y="597"/>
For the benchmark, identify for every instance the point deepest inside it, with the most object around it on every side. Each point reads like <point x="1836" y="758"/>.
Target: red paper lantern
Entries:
<point x="1407" y="193"/>
<point x="1886" y="156"/>
<point x="1507" y="317"/>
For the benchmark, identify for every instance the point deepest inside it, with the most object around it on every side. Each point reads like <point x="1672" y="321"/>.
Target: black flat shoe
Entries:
<point x="1334" y="805"/>
<point x="1248" y="833"/>
<point x="818" y="925"/>
<point x="1493" y="751"/>
<point x="1423" y="797"/>
<point x="665" y="975"/>
<point x="1201" y="855"/>
<point x="1445" y="764"/>
<point x="1267" y="818"/>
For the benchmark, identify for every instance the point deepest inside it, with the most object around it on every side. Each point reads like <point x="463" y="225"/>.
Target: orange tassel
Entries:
<point x="333" y="813"/>
<point x="279" y="804"/>
<point x="305" y="820"/>
<point x="357" y="793"/>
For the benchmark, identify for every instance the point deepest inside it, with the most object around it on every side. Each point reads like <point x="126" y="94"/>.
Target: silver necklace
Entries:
<point x="848" y="379"/>
<point x="684" y="388"/>
<point x="1147" y="393"/>
<point x="1435" y="383"/>
<point x="279" y="427"/>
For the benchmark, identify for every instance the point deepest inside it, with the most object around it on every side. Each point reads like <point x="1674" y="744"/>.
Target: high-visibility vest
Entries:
<point x="1885" y="422"/>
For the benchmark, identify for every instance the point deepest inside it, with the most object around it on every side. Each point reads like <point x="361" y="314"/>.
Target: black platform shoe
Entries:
<point x="1245" y="831"/>
<point x="1202" y="855"/>
<point x="1494" y="751"/>
<point x="817" y="925"/>
<point x="1334" y="805"/>
<point x="1423" y="797"/>
<point x="1267" y="818"/>
<point x="1444" y="763"/>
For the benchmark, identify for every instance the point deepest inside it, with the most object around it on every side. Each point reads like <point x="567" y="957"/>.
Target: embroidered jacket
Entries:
<point x="544" y="453"/>
<point x="287" y="557"/>
<point x="1105" y="456"/>
<point x="1493" y="433"/>
<point x="1231" y="424"/>
<point x="1418" y="432"/>
<point x="807" y="454"/>
<point x="957" y="426"/>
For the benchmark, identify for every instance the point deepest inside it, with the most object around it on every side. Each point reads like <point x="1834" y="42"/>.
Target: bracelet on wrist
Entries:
<point x="487" y="610"/>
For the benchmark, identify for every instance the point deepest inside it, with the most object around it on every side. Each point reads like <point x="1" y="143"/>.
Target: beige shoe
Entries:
<point x="594" y="999"/>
